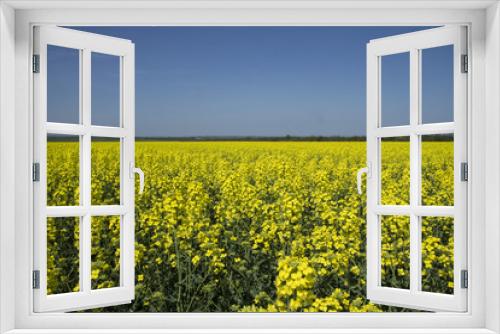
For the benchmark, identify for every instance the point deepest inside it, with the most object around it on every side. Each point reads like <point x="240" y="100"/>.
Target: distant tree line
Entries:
<point x="255" y="138"/>
<point x="446" y="137"/>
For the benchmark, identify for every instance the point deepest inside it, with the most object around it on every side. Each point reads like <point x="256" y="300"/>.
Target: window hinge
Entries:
<point x="36" y="63"/>
<point x="464" y="279"/>
<point x="36" y="279"/>
<point x="465" y="64"/>
<point x="36" y="172"/>
<point x="464" y="171"/>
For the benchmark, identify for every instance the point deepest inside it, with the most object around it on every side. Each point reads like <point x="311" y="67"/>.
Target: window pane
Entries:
<point x="437" y="170"/>
<point x="63" y="85"/>
<point x="105" y="89"/>
<point x="63" y="170"/>
<point x="395" y="89"/>
<point x="105" y="252"/>
<point x="395" y="256"/>
<point x="395" y="171"/>
<point x="437" y="254"/>
<point x="437" y="84"/>
<point x="63" y="255"/>
<point x="105" y="171"/>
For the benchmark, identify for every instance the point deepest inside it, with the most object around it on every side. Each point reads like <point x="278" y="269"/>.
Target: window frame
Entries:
<point x="478" y="318"/>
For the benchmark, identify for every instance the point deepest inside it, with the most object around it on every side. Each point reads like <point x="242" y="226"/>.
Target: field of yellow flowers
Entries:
<point x="250" y="226"/>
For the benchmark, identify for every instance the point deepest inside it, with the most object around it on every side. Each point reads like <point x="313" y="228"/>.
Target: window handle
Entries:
<point x="134" y="170"/>
<point x="361" y="171"/>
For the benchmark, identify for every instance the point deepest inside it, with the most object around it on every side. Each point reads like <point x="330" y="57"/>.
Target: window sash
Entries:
<point x="86" y="43"/>
<point x="413" y="43"/>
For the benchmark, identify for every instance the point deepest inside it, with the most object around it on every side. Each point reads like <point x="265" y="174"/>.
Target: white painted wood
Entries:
<point x="67" y="129"/>
<point x="85" y="178"/>
<point x="80" y="130"/>
<point x="419" y="129"/>
<point x="86" y="44"/>
<point x="422" y="300"/>
<point x="80" y="40"/>
<point x="76" y="301"/>
<point x="7" y="167"/>
<point x="411" y="41"/>
<point x="414" y="43"/>
<point x="492" y="186"/>
<point x="249" y="4"/>
<point x="127" y="228"/>
<point x="407" y="210"/>
<point x="79" y="211"/>
<point x="373" y="182"/>
<point x="415" y="158"/>
<point x="460" y="155"/>
<point x="39" y="152"/>
<point x="108" y="132"/>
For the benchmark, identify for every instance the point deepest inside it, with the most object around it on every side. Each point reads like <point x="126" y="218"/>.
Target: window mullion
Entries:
<point x="415" y="231"/>
<point x="124" y="173"/>
<point x="85" y="174"/>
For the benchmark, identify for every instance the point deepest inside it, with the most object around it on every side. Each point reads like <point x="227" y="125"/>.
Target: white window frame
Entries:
<point x="16" y="20"/>
<point x="413" y="44"/>
<point x="85" y="43"/>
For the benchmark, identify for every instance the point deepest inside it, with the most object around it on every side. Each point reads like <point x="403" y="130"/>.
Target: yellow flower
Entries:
<point x="195" y="260"/>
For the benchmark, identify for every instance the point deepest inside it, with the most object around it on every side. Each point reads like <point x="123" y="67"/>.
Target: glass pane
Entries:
<point x="437" y="254"/>
<point x="63" y="170"/>
<point x="105" y="90"/>
<point x="437" y="84"/>
<point x="105" y="252"/>
<point x="105" y="181"/>
<point x="395" y="256"/>
<point x="395" y="89"/>
<point x="395" y="171"/>
<point x="63" y="255"/>
<point x="63" y="85"/>
<point x="437" y="170"/>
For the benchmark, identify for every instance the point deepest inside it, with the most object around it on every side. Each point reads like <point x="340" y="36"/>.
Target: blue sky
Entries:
<point x="250" y="81"/>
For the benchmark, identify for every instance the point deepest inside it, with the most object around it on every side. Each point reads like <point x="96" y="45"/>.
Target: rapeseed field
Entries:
<point x="250" y="226"/>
